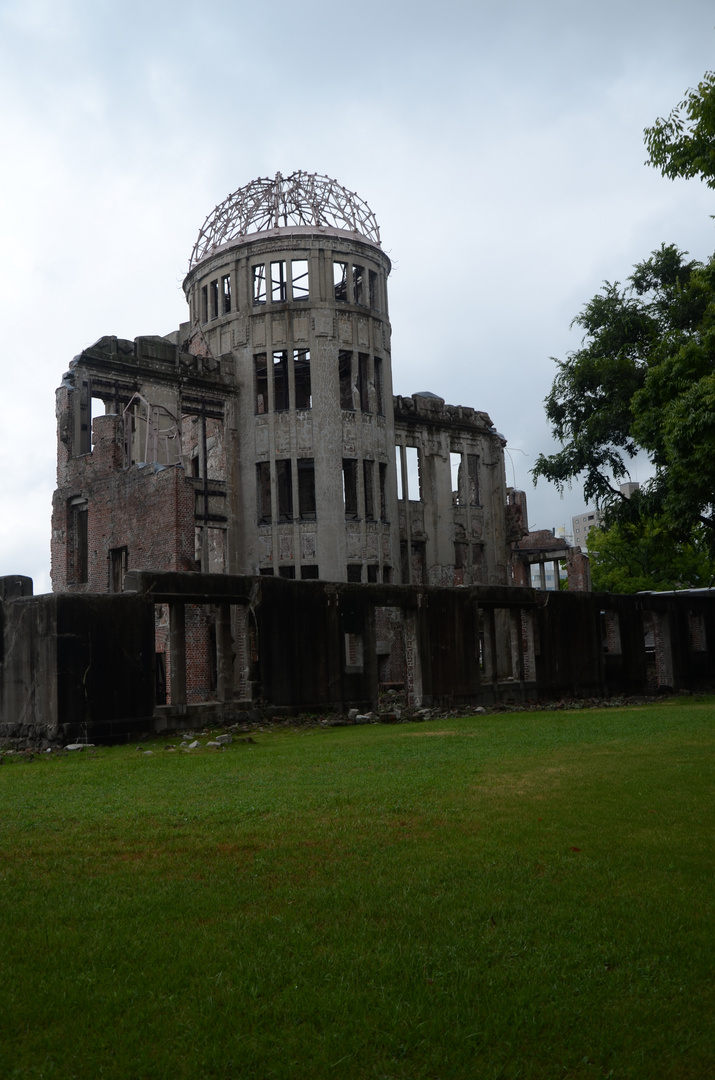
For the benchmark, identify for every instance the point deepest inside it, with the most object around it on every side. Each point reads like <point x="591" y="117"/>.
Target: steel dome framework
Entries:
<point x="301" y="199"/>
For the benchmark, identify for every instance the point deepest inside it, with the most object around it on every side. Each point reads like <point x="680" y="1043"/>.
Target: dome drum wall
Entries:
<point x="297" y="318"/>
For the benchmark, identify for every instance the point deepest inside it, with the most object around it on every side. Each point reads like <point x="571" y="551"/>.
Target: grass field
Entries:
<point x="504" y="896"/>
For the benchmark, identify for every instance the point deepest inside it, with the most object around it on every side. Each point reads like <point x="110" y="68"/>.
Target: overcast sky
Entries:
<point x="500" y="145"/>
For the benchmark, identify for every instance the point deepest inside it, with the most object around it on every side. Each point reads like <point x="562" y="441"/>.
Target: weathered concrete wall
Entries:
<point x="77" y="667"/>
<point x="83" y="666"/>
<point x="453" y="516"/>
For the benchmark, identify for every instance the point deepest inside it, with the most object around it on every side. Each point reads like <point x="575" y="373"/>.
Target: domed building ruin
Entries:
<point x="262" y="437"/>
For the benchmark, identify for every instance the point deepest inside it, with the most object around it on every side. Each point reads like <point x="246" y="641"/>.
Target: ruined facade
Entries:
<point x="260" y="438"/>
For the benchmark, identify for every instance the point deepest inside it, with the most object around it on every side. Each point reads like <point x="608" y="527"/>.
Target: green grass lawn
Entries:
<point x="525" y="895"/>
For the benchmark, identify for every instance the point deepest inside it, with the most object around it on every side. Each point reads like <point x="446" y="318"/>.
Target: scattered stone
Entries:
<point x="193" y="745"/>
<point x="147" y="753"/>
<point x="213" y="742"/>
<point x="480" y="710"/>
<point x="223" y="740"/>
<point x="353" y="715"/>
<point x="77" y="746"/>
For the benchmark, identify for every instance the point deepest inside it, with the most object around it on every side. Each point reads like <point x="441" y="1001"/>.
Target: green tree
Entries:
<point x="683" y="143"/>
<point x="643" y="555"/>
<point x="643" y="379"/>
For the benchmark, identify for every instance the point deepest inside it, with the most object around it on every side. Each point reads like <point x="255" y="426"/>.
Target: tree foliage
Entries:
<point x="643" y="379"/>
<point x="644" y="555"/>
<point x="683" y="143"/>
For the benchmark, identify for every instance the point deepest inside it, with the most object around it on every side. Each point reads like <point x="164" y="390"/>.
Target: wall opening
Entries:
<point x="301" y="379"/>
<point x="345" y="364"/>
<point x="299" y="279"/>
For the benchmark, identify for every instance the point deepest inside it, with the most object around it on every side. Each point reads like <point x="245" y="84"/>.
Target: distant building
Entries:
<point x="582" y="525"/>
<point x="591" y="519"/>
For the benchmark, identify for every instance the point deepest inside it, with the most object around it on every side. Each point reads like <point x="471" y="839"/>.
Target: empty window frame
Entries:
<point x="340" y="281"/>
<point x="79" y="531"/>
<point x="284" y="484"/>
<point x="461" y="551"/>
<point x="379" y="392"/>
<point x="299" y="279"/>
<point x="345" y="372"/>
<point x="350" y="498"/>
<point x="372" y="286"/>
<point x="309" y="573"/>
<point x="301" y="378"/>
<point x="414" y="487"/>
<point x="266" y="571"/>
<point x="398" y="466"/>
<point x="358" y="284"/>
<point x="306" y="489"/>
<point x="455" y="469"/>
<point x="261" y="378"/>
<point x="382" y="471"/>
<point x="279" y="286"/>
<point x="214" y="298"/>
<point x="354" y="574"/>
<point x="204" y="303"/>
<point x="363" y="386"/>
<point x="368" y="468"/>
<point x="387" y="574"/>
<point x="226" y="294"/>
<point x="473" y="479"/>
<point x="286" y="572"/>
<point x="263" y="492"/>
<point x="372" y="572"/>
<point x="118" y="559"/>
<point x="259" y="284"/>
<point x="280" y="381"/>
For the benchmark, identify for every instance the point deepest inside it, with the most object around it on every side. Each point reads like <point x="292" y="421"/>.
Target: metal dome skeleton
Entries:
<point x="301" y="199"/>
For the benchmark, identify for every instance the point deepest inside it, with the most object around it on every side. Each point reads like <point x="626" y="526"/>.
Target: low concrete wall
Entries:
<point x="82" y="667"/>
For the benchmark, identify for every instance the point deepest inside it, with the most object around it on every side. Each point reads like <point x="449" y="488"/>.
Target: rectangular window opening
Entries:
<point x="368" y="474"/>
<point x="398" y="465"/>
<point x="306" y="489"/>
<point x="309" y="573"/>
<point x="455" y="469"/>
<point x="118" y="559"/>
<point x="414" y="487"/>
<point x="214" y="299"/>
<point x="382" y="468"/>
<point x="350" y="488"/>
<point x="204" y="303"/>
<point x="345" y="367"/>
<point x="259" y="284"/>
<point x="301" y="378"/>
<point x="284" y="483"/>
<point x="263" y="488"/>
<point x="372" y="572"/>
<point x="280" y="381"/>
<point x="286" y="572"/>
<point x="279" y="287"/>
<point x="340" y="281"/>
<point x="299" y="279"/>
<point x="354" y="573"/>
<point x="226" y="293"/>
<point x="358" y="284"/>
<point x="379" y="393"/>
<point x="363" y="388"/>
<point x="372" y="285"/>
<point x="261" y="370"/>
